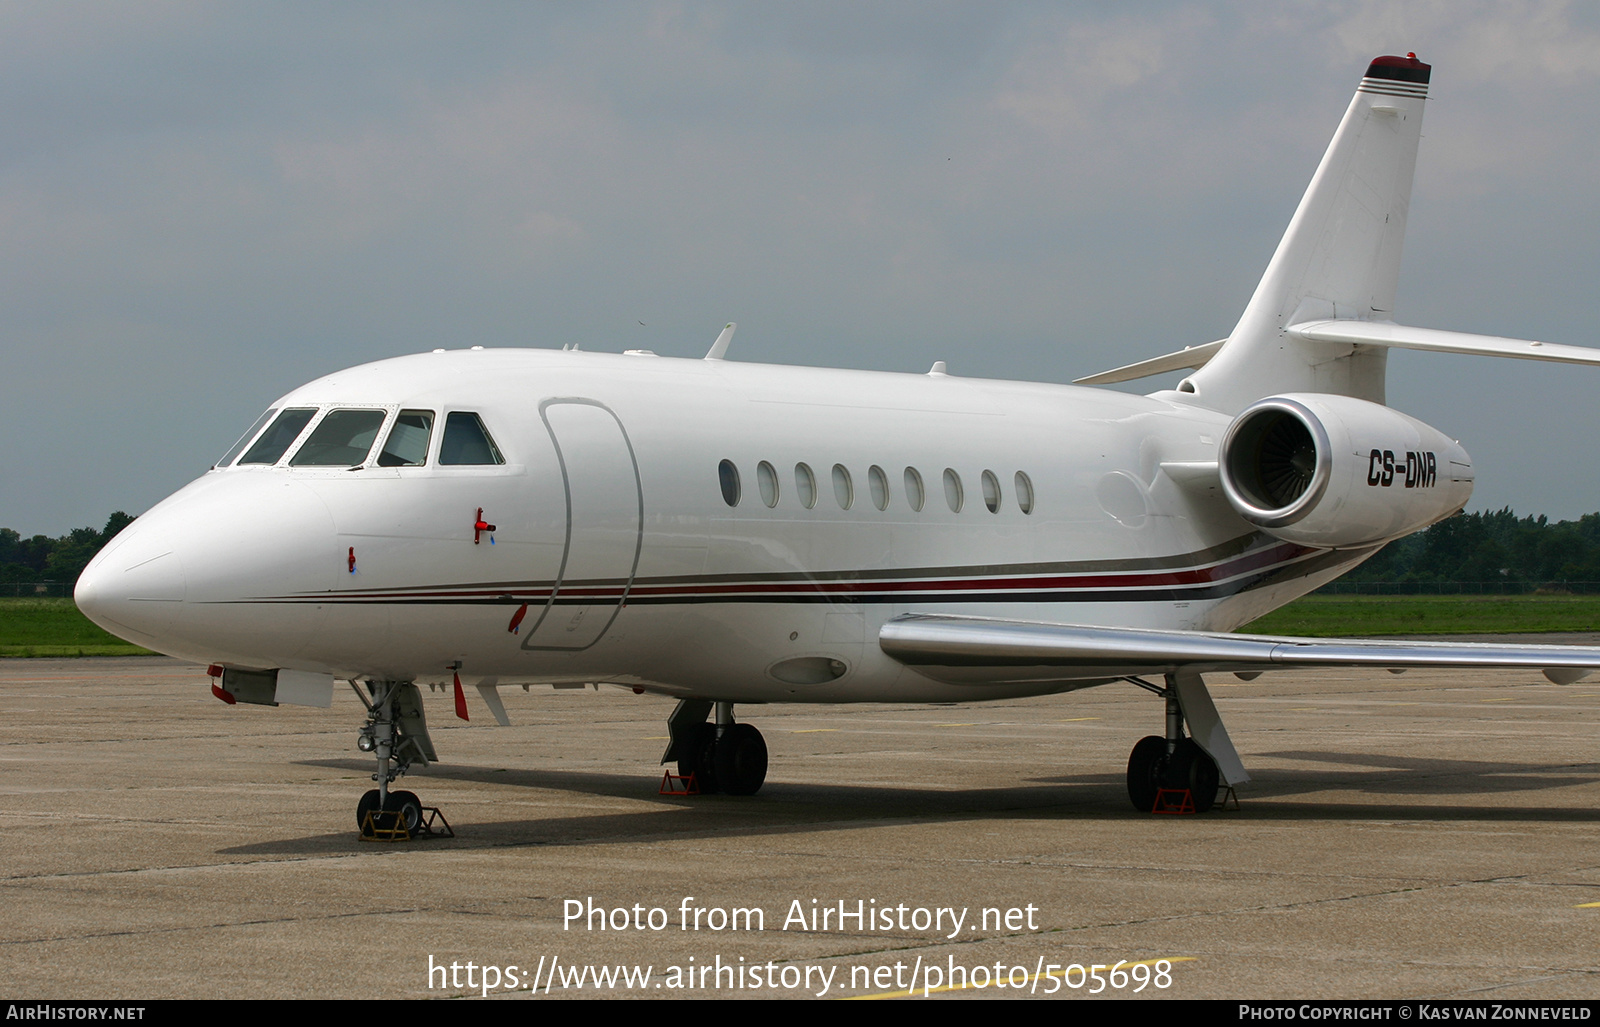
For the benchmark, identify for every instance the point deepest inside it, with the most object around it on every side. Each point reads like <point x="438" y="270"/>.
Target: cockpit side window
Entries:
<point x="272" y="444"/>
<point x="466" y="441"/>
<point x="407" y="445"/>
<point x="342" y="439"/>
<point x="246" y="437"/>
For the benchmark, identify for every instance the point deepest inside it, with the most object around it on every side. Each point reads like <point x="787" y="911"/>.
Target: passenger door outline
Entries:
<point x="589" y="489"/>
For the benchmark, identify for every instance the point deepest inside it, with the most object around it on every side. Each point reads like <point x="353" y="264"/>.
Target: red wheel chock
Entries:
<point x="1174" y="801"/>
<point x="673" y="784"/>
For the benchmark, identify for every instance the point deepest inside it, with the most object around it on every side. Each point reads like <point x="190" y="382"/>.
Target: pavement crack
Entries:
<point x="220" y="925"/>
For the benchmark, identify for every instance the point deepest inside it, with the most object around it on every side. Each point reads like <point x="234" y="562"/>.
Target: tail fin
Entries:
<point x="1340" y="258"/>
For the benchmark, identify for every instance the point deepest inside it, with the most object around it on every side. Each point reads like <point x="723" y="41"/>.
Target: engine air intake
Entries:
<point x="1275" y="467"/>
<point x="1275" y="459"/>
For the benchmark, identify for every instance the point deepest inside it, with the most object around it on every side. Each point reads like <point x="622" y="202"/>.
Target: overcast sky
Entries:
<point x="205" y="205"/>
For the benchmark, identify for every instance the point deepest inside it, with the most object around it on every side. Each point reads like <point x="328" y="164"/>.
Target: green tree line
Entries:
<point x="1493" y="546"/>
<point x="42" y="558"/>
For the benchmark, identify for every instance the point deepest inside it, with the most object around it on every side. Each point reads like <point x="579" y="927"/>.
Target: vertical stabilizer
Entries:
<point x="1340" y="257"/>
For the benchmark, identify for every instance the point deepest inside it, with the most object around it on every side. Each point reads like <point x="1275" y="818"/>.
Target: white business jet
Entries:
<point x="726" y="533"/>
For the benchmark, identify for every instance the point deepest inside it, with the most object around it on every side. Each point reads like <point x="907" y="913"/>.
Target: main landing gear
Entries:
<point x="396" y="733"/>
<point x="721" y="755"/>
<point x="1177" y="761"/>
<point x="1157" y="763"/>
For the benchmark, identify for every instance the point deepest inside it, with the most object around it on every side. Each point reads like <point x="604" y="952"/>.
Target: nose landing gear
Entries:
<point x="396" y="733"/>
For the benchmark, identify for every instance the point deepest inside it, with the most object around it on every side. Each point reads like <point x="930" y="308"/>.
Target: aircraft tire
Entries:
<point x="700" y="757"/>
<point x="368" y="803"/>
<point x="1193" y="768"/>
<point x="741" y="755"/>
<point x="1146" y="766"/>
<point x="408" y="807"/>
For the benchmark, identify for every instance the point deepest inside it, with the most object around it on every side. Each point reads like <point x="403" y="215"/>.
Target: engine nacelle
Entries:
<point x="1335" y="472"/>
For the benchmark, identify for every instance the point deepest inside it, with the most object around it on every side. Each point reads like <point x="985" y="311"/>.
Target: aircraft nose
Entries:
<point x="185" y="578"/>
<point x="136" y="586"/>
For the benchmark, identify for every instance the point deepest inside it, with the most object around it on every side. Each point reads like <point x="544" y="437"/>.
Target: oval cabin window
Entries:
<point x="805" y="486"/>
<point x="878" y="482"/>
<point x="1024" y="493"/>
<point x="843" y="489"/>
<point x="991" y="491"/>
<point x="952" y="490"/>
<point x="915" y="496"/>
<point x="767" y="480"/>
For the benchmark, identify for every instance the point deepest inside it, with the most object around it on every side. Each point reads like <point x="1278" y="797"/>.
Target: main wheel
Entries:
<point x="1193" y="768"/>
<point x="741" y="760"/>
<point x="699" y="757"/>
<point x="1146" y="765"/>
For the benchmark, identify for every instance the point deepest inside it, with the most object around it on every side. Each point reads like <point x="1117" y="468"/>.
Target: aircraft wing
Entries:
<point x="980" y="650"/>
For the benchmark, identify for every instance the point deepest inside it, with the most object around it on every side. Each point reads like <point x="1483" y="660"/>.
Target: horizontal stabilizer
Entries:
<point x="1190" y="357"/>
<point x="1389" y="334"/>
<point x="977" y="642"/>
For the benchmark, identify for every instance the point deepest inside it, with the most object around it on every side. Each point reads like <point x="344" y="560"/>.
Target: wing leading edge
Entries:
<point x="979" y="650"/>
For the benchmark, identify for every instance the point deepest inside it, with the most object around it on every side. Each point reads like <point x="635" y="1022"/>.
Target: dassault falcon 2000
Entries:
<point x="725" y="533"/>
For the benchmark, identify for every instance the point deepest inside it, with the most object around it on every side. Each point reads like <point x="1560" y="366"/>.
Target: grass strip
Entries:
<point x="54" y="627"/>
<point x="1361" y="616"/>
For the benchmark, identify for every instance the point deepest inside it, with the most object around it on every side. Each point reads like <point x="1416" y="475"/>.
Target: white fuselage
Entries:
<point x="613" y="532"/>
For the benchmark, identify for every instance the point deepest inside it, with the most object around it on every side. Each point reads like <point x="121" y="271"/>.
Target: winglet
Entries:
<point x="719" y="349"/>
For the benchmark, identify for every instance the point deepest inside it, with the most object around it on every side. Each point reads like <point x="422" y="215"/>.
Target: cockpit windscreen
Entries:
<point x="408" y="440"/>
<point x="342" y="439"/>
<point x="270" y="447"/>
<point x="246" y="437"/>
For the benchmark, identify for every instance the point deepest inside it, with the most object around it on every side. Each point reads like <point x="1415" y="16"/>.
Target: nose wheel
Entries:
<point x="396" y="734"/>
<point x="404" y="806"/>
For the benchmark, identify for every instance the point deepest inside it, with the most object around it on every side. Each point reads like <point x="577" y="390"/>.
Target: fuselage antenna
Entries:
<point x="719" y="349"/>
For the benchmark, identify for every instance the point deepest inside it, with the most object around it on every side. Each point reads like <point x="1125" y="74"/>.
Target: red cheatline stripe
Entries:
<point x="1259" y="560"/>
